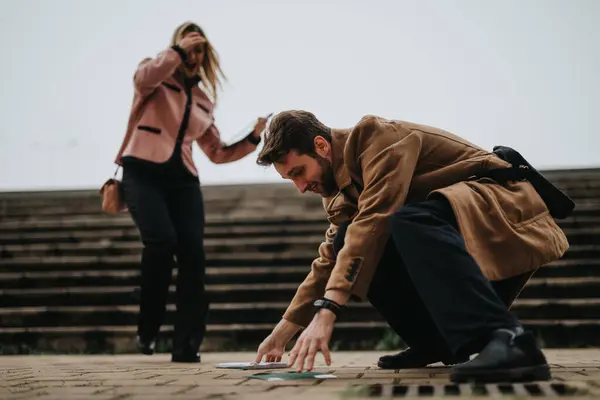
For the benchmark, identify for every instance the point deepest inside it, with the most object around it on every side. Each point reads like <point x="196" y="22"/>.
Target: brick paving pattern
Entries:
<point x="143" y="377"/>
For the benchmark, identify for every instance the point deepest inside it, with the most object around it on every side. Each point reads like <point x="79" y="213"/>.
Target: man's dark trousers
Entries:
<point x="430" y="290"/>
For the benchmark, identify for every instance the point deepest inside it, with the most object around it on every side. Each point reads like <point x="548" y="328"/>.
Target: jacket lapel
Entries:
<point x="343" y="205"/>
<point x="340" y="169"/>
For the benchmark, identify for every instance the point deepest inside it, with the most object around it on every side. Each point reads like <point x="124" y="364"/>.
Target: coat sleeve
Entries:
<point x="152" y="71"/>
<point x="387" y="157"/>
<point x="300" y="310"/>
<point x="216" y="151"/>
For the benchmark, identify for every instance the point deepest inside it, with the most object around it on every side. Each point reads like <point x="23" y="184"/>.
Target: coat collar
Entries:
<point x="339" y="137"/>
<point x="184" y="80"/>
<point x="200" y="97"/>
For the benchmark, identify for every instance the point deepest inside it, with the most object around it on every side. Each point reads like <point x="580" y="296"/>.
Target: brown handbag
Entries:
<point x="112" y="196"/>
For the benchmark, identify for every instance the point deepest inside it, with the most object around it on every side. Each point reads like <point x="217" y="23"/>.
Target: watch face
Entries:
<point x="319" y="303"/>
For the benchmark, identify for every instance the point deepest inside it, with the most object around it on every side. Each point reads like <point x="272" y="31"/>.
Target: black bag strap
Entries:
<point x="559" y="204"/>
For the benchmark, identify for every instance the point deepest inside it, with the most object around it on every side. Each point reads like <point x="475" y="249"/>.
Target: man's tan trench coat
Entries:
<point x="380" y="165"/>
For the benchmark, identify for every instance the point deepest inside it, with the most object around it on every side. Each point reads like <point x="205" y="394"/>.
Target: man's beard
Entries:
<point x="327" y="178"/>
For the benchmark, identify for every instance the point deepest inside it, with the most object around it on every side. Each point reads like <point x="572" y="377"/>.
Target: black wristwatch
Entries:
<point x="328" y="304"/>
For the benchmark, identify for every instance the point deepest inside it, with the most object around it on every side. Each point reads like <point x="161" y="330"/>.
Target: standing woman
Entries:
<point x="173" y="106"/>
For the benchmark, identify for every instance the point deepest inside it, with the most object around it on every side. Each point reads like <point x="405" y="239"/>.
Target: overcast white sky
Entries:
<point x="523" y="73"/>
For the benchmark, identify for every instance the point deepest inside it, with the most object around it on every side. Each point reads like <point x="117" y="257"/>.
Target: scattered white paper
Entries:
<point x="325" y="376"/>
<point x="251" y="365"/>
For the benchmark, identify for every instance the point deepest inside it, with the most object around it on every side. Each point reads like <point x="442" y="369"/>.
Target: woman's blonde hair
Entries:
<point x="210" y="69"/>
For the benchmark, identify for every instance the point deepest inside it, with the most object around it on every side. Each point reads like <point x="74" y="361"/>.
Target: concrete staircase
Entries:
<point x="69" y="274"/>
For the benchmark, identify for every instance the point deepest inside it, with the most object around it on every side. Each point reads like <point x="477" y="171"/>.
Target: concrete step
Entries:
<point x="116" y="241"/>
<point x="225" y="206"/>
<point x="127" y="241"/>
<point x="210" y="193"/>
<point x="127" y="294"/>
<point x="219" y="201"/>
<point x="263" y="312"/>
<point x="316" y="214"/>
<point x="101" y="221"/>
<point x="220" y="313"/>
<point x="564" y="179"/>
<point x="242" y="243"/>
<point x="308" y="242"/>
<point x="590" y="205"/>
<point x="219" y="337"/>
<point x="97" y="226"/>
<point x="132" y="235"/>
<point x="76" y="236"/>
<point x="568" y="183"/>
<point x="88" y="275"/>
<point x="116" y="278"/>
<point x="132" y="261"/>
<point x="238" y="337"/>
<point x="569" y="267"/>
<point x="560" y="309"/>
<point x="561" y="288"/>
<point x="81" y="278"/>
<point x="579" y="222"/>
<point x="583" y="236"/>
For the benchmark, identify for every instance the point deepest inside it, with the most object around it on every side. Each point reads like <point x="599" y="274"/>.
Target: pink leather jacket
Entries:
<point x="157" y="113"/>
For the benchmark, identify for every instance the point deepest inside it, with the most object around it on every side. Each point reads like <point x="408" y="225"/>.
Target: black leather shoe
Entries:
<point x="412" y="358"/>
<point x="186" y="357"/>
<point x="186" y="351"/>
<point x="509" y="357"/>
<point x="145" y="346"/>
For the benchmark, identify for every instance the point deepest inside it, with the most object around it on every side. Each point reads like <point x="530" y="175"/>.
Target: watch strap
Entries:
<point x="254" y="140"/>
<point x="328" y="304"/>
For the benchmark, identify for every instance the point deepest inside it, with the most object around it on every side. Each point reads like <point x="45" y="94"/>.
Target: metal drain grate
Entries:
<point x="545" y="389"/>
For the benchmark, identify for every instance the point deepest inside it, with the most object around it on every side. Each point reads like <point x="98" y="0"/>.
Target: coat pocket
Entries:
<point x="518" y="203"/>
<point x="171" y="87"/>
<point x="150" y="129"/>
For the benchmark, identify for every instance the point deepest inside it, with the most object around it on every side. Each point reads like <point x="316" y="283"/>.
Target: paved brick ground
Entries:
<point x="143" y="377"/>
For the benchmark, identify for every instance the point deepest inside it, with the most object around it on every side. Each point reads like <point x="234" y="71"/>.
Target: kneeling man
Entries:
<point x="437" y="233"/>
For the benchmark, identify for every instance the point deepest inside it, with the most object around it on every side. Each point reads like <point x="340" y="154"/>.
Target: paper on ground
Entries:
<point x="251" y="365"/>
<point x="291" y="376"/>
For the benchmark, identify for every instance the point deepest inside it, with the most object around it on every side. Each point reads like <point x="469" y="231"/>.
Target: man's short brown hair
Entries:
<point x="289" y="131"/>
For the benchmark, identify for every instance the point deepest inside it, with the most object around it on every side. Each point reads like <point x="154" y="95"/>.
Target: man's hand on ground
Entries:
<point x="315" y="338"/>
<point x="273" y="347"/>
